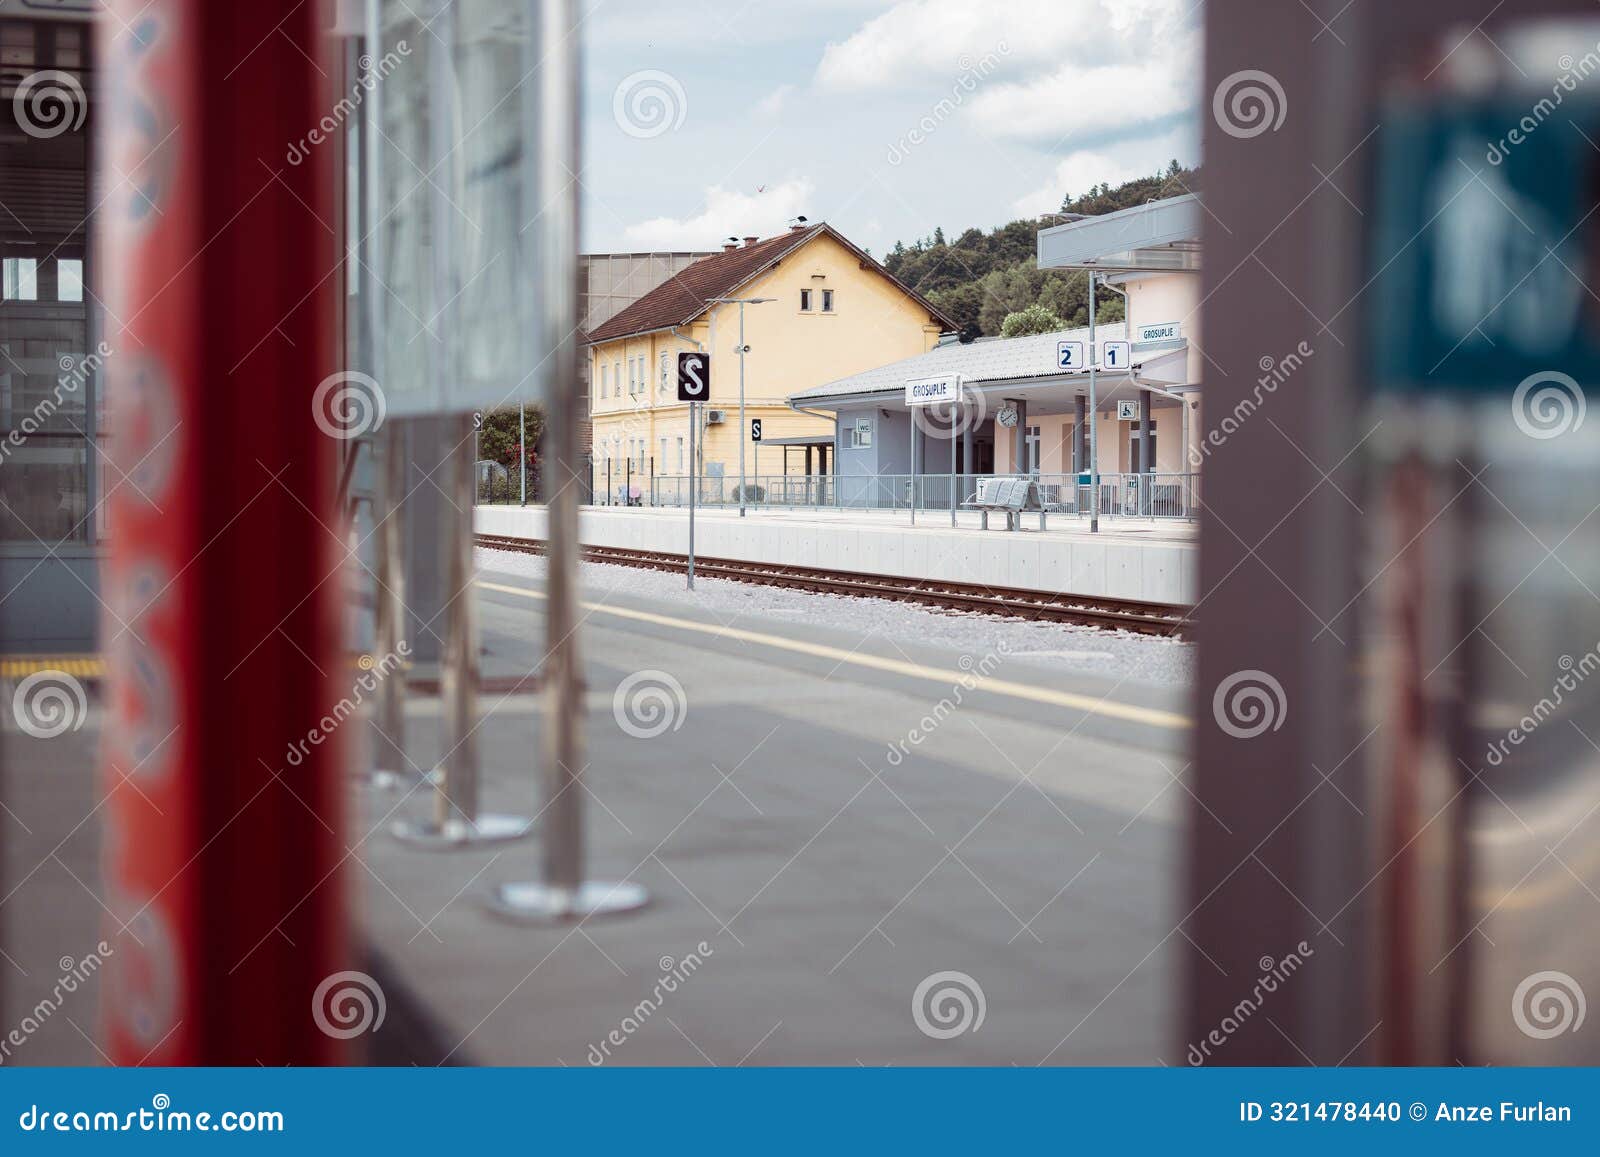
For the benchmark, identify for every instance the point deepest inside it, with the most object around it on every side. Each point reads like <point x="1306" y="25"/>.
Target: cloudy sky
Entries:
<point x="706" y="118"/>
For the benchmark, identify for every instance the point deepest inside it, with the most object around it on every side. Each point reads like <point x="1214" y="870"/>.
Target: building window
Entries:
<point x="605" y="378"/>
<point x="827" y="301"/>
<point x="616" y="378"/>
<point x="1031" y="448"/>
<point x="21" y="279"/>
<point x="861" y="434"/>
<point x="805" y="300"/>
<point x="680" y="455"/>
<point x="662" y="388"/>
<point x="69" y="279"/>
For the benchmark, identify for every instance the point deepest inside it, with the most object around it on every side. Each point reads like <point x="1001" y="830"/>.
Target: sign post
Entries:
<point x="943" y="390"/>
<point x="694" y="387"/>
<point x="1094" y="443"/>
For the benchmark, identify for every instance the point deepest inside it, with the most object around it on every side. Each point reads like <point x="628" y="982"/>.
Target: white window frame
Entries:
<point x="861" y="433"/>
<point x="827" y="301"/>
<point x="805" y="301"/>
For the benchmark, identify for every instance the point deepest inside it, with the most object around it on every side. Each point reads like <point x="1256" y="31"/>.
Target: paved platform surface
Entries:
<point x="826" y="820"/>
<point x="1152" y="560"/>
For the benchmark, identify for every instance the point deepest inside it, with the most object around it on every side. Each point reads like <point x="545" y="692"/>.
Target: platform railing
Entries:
<point x="1122" y="495"/>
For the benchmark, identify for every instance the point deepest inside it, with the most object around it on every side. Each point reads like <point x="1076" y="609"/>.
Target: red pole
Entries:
<point x="222" y="850"/>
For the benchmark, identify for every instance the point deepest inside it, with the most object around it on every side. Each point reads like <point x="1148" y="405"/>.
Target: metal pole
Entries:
<point x="912" y="414"/>
<point x="955" y="411"/>
<point x="1094" y="441"/>
<point x="562" y="893"/>
<point x="693" y="423"/>
<point x="389" y="629"/>
<point x="742" y="429"/>
<point x="522" y="446"/>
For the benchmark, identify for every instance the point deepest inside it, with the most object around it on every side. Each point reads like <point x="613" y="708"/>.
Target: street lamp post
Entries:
<point x="744" y="430"/>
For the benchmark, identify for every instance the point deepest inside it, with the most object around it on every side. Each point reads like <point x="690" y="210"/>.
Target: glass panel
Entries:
<point x="69" y="279"/>
<point x="43" y="491"/>
<point x="20" y="279"/>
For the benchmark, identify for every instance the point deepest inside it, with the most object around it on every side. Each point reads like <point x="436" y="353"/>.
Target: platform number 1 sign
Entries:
<point x="694" y="377"/>
<point x="1114" y="355"/>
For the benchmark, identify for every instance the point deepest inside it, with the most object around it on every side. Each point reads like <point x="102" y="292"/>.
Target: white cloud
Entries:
<point x="1063" y="69"/>
<point x="1118" y="99"/>
<point x="1080" y="171"/>
<point x="728" y="212"/>
<point x="772" y="104"/>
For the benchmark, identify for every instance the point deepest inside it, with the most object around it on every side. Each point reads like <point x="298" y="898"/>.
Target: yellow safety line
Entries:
<point x="79" y="666"/>
<point x="1147" y="715"/>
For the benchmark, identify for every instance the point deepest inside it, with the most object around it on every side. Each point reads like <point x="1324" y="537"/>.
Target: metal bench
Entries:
<point x="1008" y="496"/>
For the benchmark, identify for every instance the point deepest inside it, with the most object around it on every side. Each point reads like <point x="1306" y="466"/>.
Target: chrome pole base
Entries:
<point x="381" y="779"/>
<point x="430" y="835"/>
<point x="535" y="903"/>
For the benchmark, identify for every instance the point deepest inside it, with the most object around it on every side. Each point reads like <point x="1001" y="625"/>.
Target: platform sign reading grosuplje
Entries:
<point x="933" y="391"/>
<point x="694" y="377"/>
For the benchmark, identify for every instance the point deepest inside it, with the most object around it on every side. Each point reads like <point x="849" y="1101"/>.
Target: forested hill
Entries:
<point x="981" y="278"/>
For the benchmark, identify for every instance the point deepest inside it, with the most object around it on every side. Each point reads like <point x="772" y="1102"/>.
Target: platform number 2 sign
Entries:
<point x="1069" y="355"/>
<point x="694" y="377"/>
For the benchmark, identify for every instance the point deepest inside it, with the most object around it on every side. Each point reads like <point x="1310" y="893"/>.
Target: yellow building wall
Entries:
<point x="872" y="323"/>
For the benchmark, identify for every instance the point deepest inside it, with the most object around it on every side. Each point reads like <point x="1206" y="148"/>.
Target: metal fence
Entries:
<point x="1121" y="495"/>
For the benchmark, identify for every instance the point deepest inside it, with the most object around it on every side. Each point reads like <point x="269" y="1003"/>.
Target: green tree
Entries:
<point x="1035" y="319"/>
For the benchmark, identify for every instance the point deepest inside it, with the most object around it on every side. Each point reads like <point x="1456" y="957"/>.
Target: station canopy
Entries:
<point x="1158" y="237"/>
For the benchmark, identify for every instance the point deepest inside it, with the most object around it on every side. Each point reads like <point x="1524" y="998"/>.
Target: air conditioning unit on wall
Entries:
<point x="716" y="417"/>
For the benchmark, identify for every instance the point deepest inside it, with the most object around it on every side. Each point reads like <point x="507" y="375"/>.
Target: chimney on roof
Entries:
<point x="797" y="224"/>
<point x="749" y="241"/>
<point x="729" y="246"/>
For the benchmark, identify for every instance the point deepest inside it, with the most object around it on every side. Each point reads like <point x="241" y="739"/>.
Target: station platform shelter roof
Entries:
<point x="1024" y="367"/>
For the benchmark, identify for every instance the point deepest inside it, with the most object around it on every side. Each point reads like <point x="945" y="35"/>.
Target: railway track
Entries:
<point x="1112" y="614"/>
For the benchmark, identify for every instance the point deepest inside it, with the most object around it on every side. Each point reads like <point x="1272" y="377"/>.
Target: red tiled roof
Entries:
<point x="683" y="297"/>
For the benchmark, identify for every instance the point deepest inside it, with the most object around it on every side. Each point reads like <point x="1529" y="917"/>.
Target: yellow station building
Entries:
<point x="834" y="312"/>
